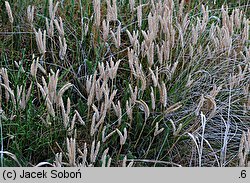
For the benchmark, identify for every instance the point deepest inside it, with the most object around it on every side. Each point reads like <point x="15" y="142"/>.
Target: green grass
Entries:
<point x="32" y="139"/>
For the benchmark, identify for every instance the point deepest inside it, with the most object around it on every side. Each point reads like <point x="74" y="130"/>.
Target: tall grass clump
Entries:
<point x="125" y="83"/>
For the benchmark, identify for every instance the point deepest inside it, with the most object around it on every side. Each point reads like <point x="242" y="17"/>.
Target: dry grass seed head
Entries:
<point x="97" y="12"/>
<point x="59" y="27"/>
<point x="105" y="138"/>
<point x="152" y="98"/>
<point x="30" y="14"/>
<point x="104" y="157"/>
<point x="9" y="12"/>
<point x="6" y="81"/>
<point x="157" y="130"/>
<point x="94" y="151"/>
<point x="144" y="107"/>
<point x="123" y="138"/>
<point x="52" y="9"/>
<point x="71" y="147"/>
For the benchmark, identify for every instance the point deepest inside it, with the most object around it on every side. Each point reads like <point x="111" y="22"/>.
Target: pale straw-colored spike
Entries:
<point x="139" y="15"/>
<point x="64" y="88"/>
<point x="96" y="112"/>
<point x="163" y="97"/>
<point x="143" y="80"/>
<point x="173" y="125"/>
<point x="124" y="161"/>
<point x="109" y="162"/>
<point x="52" y="9"/>
<point x="64" y="114"/>
<point x="50" y="107"/>
<point x="111" y="10"/>
<point x="152" y="98"/>
<point x="85" y="150"/>
<point x="129" y="110"/>
<point x="94" y="151"/>
<point x="178" y="130"/>
<point x="83" y="155"/>
<point x="30" y="14"/>
<point x="101" y="68"/>
<point x="101" y="121"/>
<point x="88" y="83"/>
<point x="122" y="137"/>
<point x="40" y="67"/>
<point x="50" y="27"/>
<point x="79" y="117"/>
<point x="157" y="130"/>
<point x="71" y="128"/>
<point x="174" y="68"/>
<point x="119" y="110"/>
<point x="117" y="37"/>
<point x="11" y="92"/>
<point x="58" y="160"/>
<point x="131" y="5"/>
<point x="103" y="133"/>
<point x="144" y="107"/>
<point x="105" y="138"/>
<point x="245" y="34"/>
<point x="27" y="97"/>
<point x="130" y="37"/>
<point x="63" y="48"/>
<point x="68" y="106"/>
<point x="105" y="29"/>
<point x="205" y="17"/>
<point x="160" y="53"/>
<point x="146" y="35"/>
<point x="33" y="67"/>
<point x="133" y="94"/>
<point x="112" y="96"/>
<point x="92" y="91"/>
<point x="23" y="100"/>
<point x="194" y="35"/>
<point x="115" y="68"/>
<point x="97" y="12"/>
<point x="41" y="41"/>
<point x="19" y="66"/>
<point x="71" y="147"/>
<point x="98" y="91"/>
<point x="93" y="122"/>
<point x="59" y="26"/>
<point x="44" y="42"/>
<point x="45" y="85"/>
<point x="104" y="157"/>
<point x="6" y="81"/>
<point x="125" y="136"/>
<point x="155" y="81"/>
<point x="173" y="108"/>
<point x="150" y="54"/>
<point x="19" y="92"/>
<point x="166" y="48"/>
<point x="9" y="12"/>
<point x="44" y="94"/>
